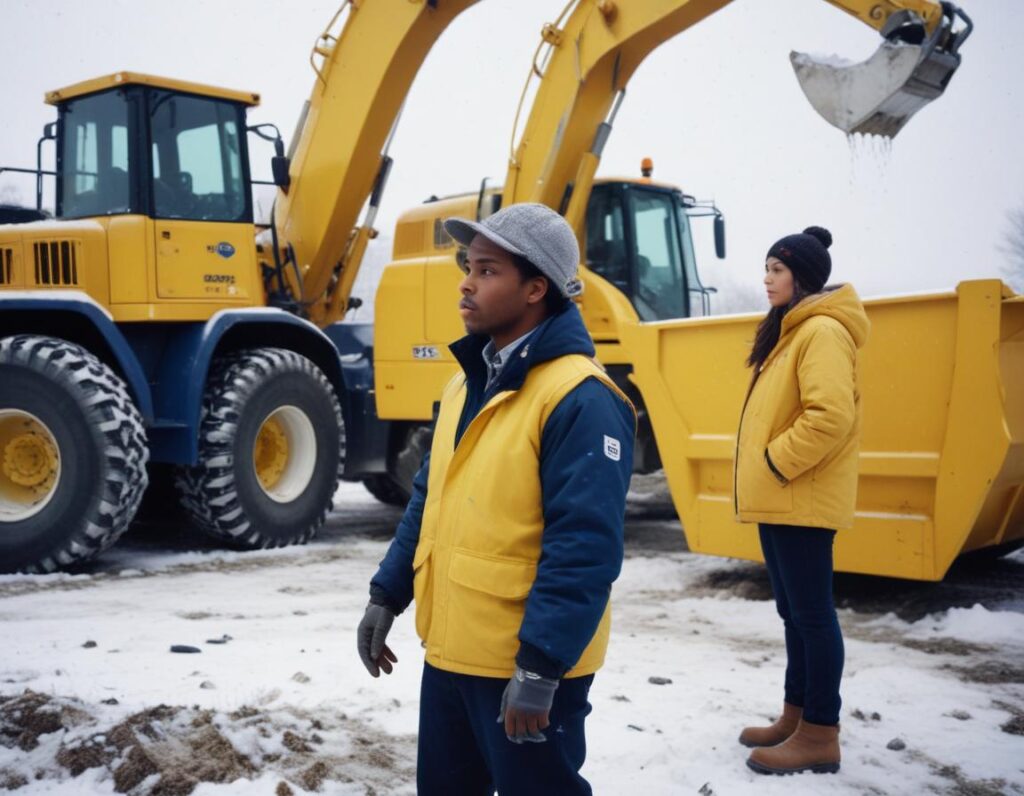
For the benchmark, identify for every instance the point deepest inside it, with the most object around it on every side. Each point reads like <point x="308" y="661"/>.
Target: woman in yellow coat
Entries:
<point x="796" y="476"/>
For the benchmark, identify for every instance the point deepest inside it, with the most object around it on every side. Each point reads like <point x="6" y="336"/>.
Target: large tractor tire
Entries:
<point x="395" y="487"/>
<point x="385" y="490"/>
<point x="72" y="455"/>
<point x="271" y="445"/>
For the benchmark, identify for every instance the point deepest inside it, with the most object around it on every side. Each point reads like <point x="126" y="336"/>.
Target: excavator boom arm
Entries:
<point x="589" y="63"/>
<point x="362" y="77"/>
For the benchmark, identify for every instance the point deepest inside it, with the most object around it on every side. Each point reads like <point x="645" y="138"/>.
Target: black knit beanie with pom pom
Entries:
<point x="806" y="255"/>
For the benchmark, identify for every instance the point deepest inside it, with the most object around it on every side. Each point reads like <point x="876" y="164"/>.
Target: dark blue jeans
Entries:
<point x="463" y="750"/>
<point x="800" y="568"/>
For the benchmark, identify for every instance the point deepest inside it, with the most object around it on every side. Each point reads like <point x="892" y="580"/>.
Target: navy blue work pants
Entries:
<point x="463" y="750"/>
<point x="799" y="563"/>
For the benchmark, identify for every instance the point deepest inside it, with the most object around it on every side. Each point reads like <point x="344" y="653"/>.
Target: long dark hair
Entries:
<point x="770" y="328"/>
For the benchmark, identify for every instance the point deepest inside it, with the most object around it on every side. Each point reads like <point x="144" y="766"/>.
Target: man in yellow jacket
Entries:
<point x="513" y="536"/>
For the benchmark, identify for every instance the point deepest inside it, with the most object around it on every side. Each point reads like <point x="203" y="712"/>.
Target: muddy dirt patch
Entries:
<point x="946" y="646"/>
<point x="171" y="750"/>
<point x="962" y="786"/>
<point x="26" y="717"/>
<point x="1015" y="724"/>
<point x="990" y="672"/>
<point x="861" y="628"/>
<point x="745" y="582"/>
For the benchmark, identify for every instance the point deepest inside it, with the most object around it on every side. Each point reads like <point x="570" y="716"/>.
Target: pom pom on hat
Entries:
<point x="822" y="234"/>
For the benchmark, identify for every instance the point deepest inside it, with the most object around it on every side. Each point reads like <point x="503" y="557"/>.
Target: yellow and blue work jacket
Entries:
<point x="513" y="536"/>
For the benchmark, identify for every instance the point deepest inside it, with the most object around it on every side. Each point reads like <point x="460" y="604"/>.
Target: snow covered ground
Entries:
<point x="92" y="700"/>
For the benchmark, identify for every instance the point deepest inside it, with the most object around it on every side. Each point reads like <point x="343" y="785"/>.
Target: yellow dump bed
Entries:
<point x="942" y="453"/>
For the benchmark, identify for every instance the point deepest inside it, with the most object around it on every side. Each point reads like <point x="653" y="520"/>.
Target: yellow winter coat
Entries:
<point x="480" y="537"/>
<point x="799" y="435"/>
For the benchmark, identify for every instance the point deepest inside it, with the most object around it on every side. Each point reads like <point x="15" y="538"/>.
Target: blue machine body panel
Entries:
<point x="165" y="365"/>
<point x="367" y="438"/>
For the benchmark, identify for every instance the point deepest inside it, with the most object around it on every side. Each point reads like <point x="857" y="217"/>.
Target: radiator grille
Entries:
<point x="56" y="262"/>
<point x="6" y="265"/>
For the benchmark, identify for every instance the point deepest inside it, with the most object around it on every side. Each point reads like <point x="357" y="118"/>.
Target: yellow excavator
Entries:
<point x="942" y="469"/>
<point x="636" y="234"/>
<point x="152" y="322"/>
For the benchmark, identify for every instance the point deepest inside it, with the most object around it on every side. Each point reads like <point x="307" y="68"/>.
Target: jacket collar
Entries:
<point x="840" y="302"/>
<point x="561" y="334"/>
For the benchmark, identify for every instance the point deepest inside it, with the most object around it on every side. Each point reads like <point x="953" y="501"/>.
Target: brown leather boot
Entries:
<point x="813" y="747"/>
<point x="784" y="726"/>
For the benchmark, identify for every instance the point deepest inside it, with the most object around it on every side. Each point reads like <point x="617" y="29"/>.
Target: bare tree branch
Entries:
<point x="1013" y="248"/>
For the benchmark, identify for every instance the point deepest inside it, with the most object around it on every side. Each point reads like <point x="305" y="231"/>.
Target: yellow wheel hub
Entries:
<point x="30" y="460"/>
<point x="270" y="455"/>
<point x="284" y="454"/>
<point x="29" y="465"/>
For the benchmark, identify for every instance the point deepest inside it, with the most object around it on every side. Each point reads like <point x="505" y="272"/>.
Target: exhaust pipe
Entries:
<point x="879" y="95"/>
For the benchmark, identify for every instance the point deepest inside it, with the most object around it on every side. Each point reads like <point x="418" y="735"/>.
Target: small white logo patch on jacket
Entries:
<point x="612" y="449"/>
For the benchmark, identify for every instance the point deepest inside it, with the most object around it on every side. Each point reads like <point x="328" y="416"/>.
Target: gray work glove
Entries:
<point x="370" y="637"/>
<point x="525" y="706"/>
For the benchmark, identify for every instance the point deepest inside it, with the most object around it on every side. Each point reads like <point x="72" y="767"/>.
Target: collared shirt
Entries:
<point x="496" y="360"/>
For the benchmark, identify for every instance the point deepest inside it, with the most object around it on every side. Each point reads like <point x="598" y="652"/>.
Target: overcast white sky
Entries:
<point x="718" y="109"/>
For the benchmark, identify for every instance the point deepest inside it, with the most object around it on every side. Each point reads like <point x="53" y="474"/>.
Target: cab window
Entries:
<point x="94" y="156"/>
<point x="660" y="291"/>
<point x="196" y="156"/>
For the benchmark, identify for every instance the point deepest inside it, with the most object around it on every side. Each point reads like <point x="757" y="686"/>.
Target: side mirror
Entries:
<point x="720" y="236"/>
<point x="50" y="131"/>
<point x="279" y="165"/>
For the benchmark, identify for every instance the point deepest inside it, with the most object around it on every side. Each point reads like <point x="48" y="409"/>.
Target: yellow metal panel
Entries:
<point x="418" y="232"/>
<point x="441" y="301"/>
<point x="396" y="403"/>
<point x="1001" y="518"/>
<point x="206" y="260"/>
<point x="128" y="78"/>
<point x="977" y="439"/>
<point x="915" y="464"/>
<point x="410" y="239"/>
<point x="130" y="245"/>
<point x="12" y="272"/>
<point x="611" y="353"/>
<point x="603" y="307"/>
<point x="409" y="367"/>
<point x="881" y="545"/>
<point x="171" y="310"/>
<point x="398" y="311"/>
<point x="57" y="255"/>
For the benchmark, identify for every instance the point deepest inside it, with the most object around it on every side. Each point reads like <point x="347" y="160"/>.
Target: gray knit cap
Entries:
<point x="534" y="232"/>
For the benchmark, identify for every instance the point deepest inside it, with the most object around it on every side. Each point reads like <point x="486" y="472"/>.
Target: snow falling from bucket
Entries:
<point x="870" y="159"/>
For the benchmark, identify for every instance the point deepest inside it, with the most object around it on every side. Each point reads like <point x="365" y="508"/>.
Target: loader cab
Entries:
<point x="152" y="150"/>
<point x="639" y="238"/>
<point x="163" y="166"/>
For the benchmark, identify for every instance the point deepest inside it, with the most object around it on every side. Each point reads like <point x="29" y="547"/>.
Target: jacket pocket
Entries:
<point x="758" y="489"/>
<point x="423" y="586"/>
<point x="486" y="603"/>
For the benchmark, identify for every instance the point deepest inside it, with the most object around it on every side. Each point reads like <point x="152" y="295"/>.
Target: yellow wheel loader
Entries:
<point x="151" y="322"/>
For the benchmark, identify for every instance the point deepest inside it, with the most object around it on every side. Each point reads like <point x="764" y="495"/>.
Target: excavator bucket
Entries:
<point x="879" y="95"/>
